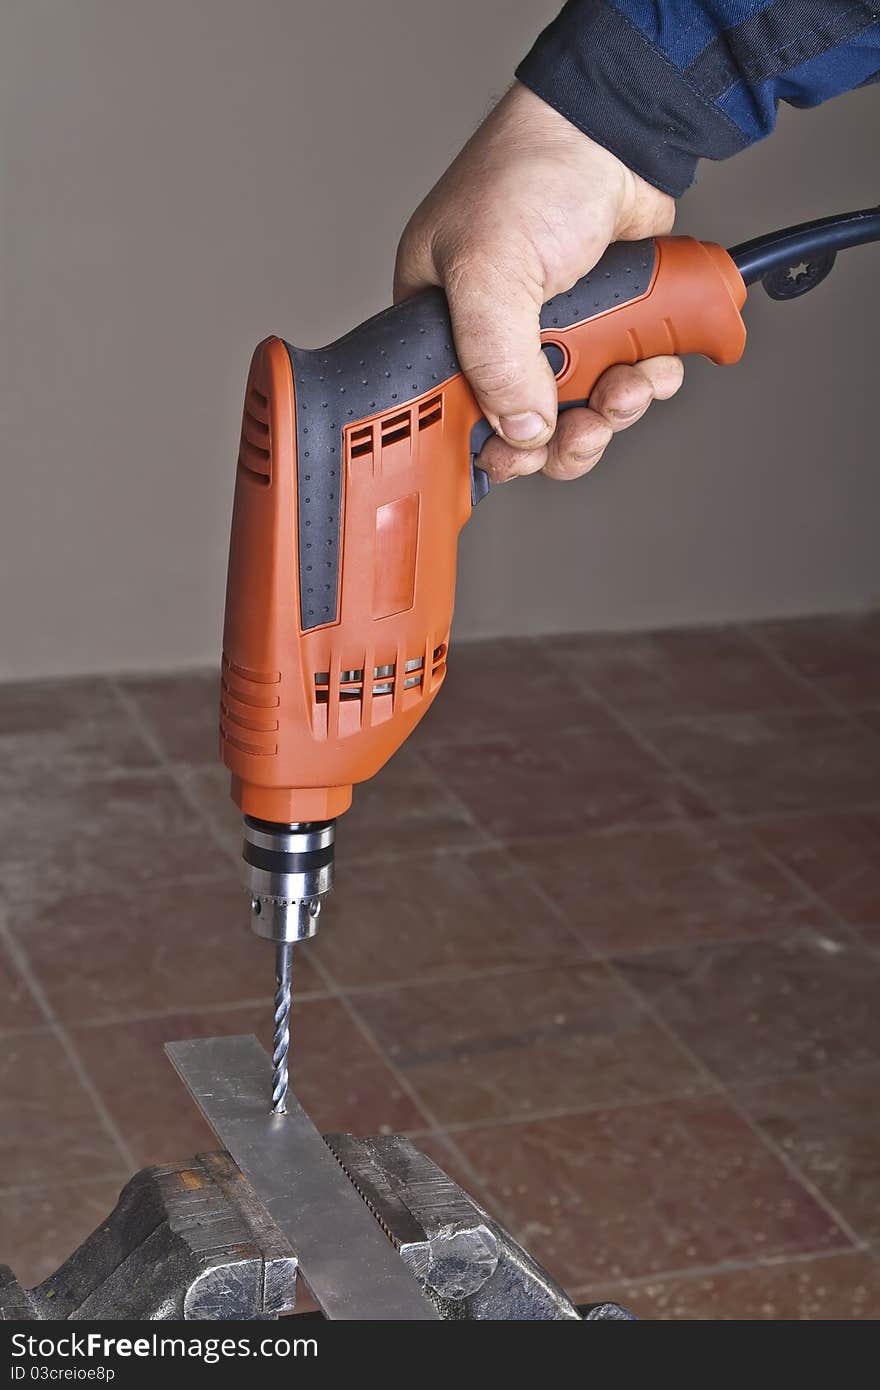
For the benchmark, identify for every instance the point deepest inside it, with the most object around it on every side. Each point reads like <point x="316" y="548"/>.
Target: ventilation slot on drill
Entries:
<point x="351" y="686"/>
<point x="361" y="442"/>
<point x="430" y="412"/>
<point x="416" y="667"/>
<point x="384" y="676"/>
<point x="351" y="683"/>
<point x="249" y="709"/>
<point x="395" y="428"/>
<point x="255" y="449"/>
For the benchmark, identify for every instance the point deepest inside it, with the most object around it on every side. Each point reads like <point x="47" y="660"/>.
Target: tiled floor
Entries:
<point x="606" y="936"/>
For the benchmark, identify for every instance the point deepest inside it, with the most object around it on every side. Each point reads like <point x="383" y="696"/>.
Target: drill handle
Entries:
<point x="389" y="400"/>
<point x="672" y="295"/>
<point x="398" y="374"/>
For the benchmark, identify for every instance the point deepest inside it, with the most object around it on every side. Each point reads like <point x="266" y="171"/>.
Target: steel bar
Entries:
<point x="344" y="1256"/>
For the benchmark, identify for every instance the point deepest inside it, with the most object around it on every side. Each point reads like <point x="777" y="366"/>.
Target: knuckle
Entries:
<point x="470" y="275"/>
<point x="407" y="240"/>
<point x="417" y="232"/>
<point x="563" y="472"/>
<point x="586" y="459"/>
<point x="495" y="377"/>
<point x="570" y="465"/>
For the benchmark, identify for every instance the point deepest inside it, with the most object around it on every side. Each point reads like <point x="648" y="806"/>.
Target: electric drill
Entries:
<point x="358" y="467"/>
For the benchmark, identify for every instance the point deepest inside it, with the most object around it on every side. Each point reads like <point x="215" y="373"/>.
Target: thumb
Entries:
<point x="496" y="325"/>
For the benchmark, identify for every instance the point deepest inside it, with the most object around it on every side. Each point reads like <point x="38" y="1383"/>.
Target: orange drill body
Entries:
<point x="305" y="714"/>
<point x="329" y="664"/>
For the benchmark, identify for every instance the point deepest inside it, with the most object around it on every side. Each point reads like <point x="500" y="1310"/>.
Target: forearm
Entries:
<point x="665" y="83"/>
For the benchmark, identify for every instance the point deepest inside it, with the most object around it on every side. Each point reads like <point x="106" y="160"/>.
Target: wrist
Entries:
<point x="640" y="209"/>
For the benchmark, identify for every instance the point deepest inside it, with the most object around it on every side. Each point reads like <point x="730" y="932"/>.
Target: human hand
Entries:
<point x="527" y="208"/>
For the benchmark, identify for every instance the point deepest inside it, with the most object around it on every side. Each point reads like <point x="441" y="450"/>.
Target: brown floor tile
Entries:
<point x="99" y="835"/>
<point x="508" y="684"/>
<point x="836" y="1288"/>
<point x="870" y="717"/>
<point x="840" y="655"/>
<point x="17" y="1006"/>
<point x="507" y="1045"/>
<point x="556" y="783"/>
<point x="48" y="1125"/>
<point x="871" y="936"/>
<point x="637" y="890"/>
<point x="830" y="1125"/>
<point x="837" y="856"/>
<point x="40" y="1227"/>
<point x="749" y="764"/>
<point x="207" y="784"/>
<point x="437" y="915"/>
<point x="170" y="947"/>
<point x="618" y="1194"/>
<point x="405" y="808"/>
<point x="181" y="711"/>
<point x="759" y="1008"/>
<point x="334" y="1072"/>
<point x="713" y="670"/>
<point x="74" y="728"/>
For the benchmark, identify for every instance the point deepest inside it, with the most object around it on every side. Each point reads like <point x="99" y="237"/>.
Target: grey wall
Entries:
<point x="181" y="179"/>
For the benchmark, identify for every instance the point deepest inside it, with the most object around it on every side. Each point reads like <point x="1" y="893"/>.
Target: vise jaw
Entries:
<point x="190" y="1241"/>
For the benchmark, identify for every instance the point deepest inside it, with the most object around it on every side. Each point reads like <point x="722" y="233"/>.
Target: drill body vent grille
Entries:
<point x="395" y="428"/>
<point x="249" y="703"/>
<point x="384" y="678"/>
<point x="255" y="449"/>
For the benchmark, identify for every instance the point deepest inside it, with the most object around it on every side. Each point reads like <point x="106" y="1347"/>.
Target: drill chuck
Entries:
<point x="287" y="871"/>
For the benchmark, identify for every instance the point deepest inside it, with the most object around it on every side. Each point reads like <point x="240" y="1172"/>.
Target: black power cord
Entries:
<point x="792" y="262"/>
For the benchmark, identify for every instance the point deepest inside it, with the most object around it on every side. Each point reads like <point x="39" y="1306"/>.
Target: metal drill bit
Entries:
<point x="281" y="1038"/>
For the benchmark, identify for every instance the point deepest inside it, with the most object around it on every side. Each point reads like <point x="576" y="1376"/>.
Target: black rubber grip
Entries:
<point x="380" y="367"/>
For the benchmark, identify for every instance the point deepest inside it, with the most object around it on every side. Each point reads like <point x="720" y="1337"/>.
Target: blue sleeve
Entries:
<point x="665" y="83"/>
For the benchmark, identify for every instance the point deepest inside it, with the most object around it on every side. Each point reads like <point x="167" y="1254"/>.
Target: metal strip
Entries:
<point x="345" y="1258"/>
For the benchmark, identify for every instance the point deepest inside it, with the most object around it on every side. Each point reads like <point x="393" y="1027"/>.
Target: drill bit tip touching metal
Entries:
<point x="281" y="1036"/>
